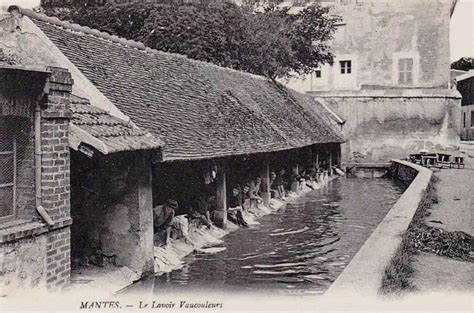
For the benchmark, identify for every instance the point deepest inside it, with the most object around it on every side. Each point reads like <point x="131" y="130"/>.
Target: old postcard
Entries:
<point x="236" y="156"/>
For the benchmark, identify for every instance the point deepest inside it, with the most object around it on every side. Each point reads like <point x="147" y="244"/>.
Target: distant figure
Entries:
<point x="162" y="218"/>
<point x="234" y="208"/>
<point x="281" y="182"/>
<point x="274" y="193"/>
<point x="256" y="190"/>
<point x="250" y="199"/>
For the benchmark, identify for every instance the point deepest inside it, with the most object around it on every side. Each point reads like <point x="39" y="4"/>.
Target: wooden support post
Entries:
<point x="317" y="160"/>
<point x="338" y="156"/>
<point x="330" y="162"/>
<point x="220" y="215"/>
<point x="266" y="195"/>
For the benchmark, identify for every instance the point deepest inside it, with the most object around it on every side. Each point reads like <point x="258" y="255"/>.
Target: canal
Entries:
<point x="300" y="249"/>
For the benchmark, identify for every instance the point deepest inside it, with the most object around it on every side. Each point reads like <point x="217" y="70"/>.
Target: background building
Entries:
<point x="390" y="78"/>
<point x="386" y="44"/>
<point x="465" y="85"/>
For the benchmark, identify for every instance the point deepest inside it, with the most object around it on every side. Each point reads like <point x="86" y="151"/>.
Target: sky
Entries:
<point x="461" y="29"/>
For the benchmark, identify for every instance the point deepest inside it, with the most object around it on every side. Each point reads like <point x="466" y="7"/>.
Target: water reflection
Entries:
<point x="299" y="250"/>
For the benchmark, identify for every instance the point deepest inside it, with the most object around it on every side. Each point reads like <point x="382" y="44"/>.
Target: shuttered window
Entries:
<point x="346" y="66"/>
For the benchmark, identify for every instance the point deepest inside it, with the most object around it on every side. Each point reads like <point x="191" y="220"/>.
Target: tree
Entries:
<point x="268" y="41"/>
<point x="463" y="64"/>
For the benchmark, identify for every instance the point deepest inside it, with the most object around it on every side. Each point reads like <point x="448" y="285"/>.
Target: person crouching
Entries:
<point x="234" y="208"/>
<point x="162" y="219"/>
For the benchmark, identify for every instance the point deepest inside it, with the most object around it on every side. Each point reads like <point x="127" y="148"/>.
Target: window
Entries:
<point x="472" y="118"/>
<point x="405" y="71"/>
<point x="7" y="170"/>
<point x="17" y="164"/>
<point x="346" y="66"/>
<point x="317" y="73"/>
<point x="464" y="120"/>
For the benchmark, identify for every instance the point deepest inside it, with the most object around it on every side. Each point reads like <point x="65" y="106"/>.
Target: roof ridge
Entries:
<point x="116" y="39"/>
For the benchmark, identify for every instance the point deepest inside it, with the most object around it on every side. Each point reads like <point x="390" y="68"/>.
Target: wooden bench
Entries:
<point x="429" y="160"/>
<point x="458" y="162"/>
<point x="444" y="159"/>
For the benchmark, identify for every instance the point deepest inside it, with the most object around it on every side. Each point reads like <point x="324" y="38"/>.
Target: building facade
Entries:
<point x="390" y="79"/>
<point x="386" y="44"/>
<point x="465" y="86"/>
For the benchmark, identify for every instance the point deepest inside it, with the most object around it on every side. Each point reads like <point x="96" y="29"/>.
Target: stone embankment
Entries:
<point x="424" y="243"/>
<point x="364" y="274"/>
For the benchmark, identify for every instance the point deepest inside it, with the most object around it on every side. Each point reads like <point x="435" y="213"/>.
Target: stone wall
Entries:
<point x="23" y="263"/>
<point x="404" y="173"/>
<point x="384" y="125"/>
<point x="113" y="222"/>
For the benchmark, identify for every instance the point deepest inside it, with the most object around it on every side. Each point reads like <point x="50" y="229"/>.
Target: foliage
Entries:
<point x="266" y="41"/>
<point x="464" y="64"/>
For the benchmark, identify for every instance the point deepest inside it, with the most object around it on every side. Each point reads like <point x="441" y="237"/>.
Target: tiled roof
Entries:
<point x="199" y="109"/>
<point x="107" y="134"/>
<point x="464" y="76"/>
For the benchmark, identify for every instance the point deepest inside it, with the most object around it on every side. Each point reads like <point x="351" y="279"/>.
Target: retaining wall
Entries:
<point x="363" y="275"/>
<point x="386" y="124"/>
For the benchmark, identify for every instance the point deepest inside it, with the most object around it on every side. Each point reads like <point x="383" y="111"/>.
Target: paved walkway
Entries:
<point x="437" y="273"/>
<point x="455" y="201"/>
<point x="455" y="212"/>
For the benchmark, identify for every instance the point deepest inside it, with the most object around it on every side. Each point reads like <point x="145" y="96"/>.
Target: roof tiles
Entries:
<point x="109" y="134"/>
<point x="200" y="110"/>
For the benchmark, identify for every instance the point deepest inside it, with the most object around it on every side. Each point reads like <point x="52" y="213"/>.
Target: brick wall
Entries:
<point x="55" y="175"/>
<point x="33" y="253"/>
<point x="58" y="256"/>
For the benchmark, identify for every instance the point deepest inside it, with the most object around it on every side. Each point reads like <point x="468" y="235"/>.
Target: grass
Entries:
<point x="397" y="276"/>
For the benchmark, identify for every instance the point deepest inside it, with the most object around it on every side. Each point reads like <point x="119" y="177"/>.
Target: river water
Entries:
<point x="300" y="249"/>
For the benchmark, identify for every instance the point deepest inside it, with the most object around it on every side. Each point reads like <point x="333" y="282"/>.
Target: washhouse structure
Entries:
<point x="135" y="127"/>
<point x="42" y="125"/>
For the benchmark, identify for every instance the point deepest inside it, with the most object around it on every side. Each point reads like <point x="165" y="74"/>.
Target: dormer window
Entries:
<point x="346" y="66"/>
